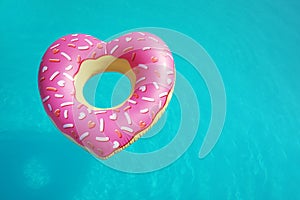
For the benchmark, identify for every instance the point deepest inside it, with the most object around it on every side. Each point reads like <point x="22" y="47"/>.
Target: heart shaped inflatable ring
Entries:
<point x="73" y="59"/>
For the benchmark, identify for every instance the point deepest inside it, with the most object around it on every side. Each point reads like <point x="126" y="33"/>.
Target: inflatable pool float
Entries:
<point x="73" y="59"/>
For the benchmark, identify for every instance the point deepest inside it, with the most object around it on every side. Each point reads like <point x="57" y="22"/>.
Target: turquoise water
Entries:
<point x="255" y="45"/>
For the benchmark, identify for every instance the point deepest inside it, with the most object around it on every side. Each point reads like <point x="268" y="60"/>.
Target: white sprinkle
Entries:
<point x="156" y="85"/>
<point x="45" y="98"/>
<point x="74" y="35"/>
<point x="54" y="75"/>
<point x="143" y="66"/>
<point x="169" y="72"/>
<point x="146" y="48"/>
<point x="144" y="110"/>
<point x="117" y="40"/>
<point x="102" y="139"/>
<point x="152" y="38"/>
<point x="141" y="33"/>
<point x="141" y="79"/>
<point x="160" y="104"/>
<point x="128" y="39"/>
<point x="101" y="124"/>
<point x="61" y="83"/>
<point x="69" y="67"/>
<point x="143" y="88"/>
<point x="148" y="99"/>
<point x="113" y="49"/>
<point x="66" y="56"/>
<point x="89" y="111"/>
<point x="81" y="116"/>
<point x="88" y="41"/>
<point x="125" y="128"/>
<point x="68" y="125"/>
<point x="44" y="69"/>
<point x="50" y="107"/>
<point x="100" y="112"/>
<point x="163" y="94"/>
<point x="68" y="76"/>
<point x="116" y="144"/>
<point x="66" y="114"/>
<point x="59" y="95"/>
<point x="75" y="39"/>
<point x="54" y="46"/>
<point x="131" y="101"/>
<point x="66" y="104"/>
<point x="105" y="50"/>
<point x="169" y="81"/>
<point x="127" y="118"/>
<point x="113" y="116"/>
<point x="83" y="47"/>
<point x="84" y="135"/>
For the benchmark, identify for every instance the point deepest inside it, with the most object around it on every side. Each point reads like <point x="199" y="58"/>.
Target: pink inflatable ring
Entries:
<point x="73" y="59"/>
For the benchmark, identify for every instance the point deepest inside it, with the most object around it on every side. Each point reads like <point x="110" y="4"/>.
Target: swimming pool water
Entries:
<point x="255" y="45"/>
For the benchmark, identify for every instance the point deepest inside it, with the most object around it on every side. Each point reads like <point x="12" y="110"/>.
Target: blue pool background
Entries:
<point x="256" y="48"/>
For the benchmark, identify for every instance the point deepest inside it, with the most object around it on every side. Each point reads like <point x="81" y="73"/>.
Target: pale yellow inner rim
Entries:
<point x="92" y="67"/>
